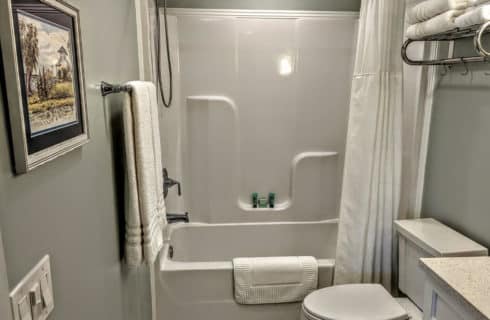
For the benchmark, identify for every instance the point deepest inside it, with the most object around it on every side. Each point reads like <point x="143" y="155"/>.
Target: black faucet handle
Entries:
<point x="172" y="182"/>
<point x="169" y="183"/>
<point x="179" y="189"/>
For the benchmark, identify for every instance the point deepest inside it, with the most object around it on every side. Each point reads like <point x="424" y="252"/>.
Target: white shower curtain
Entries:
<point x="373" y="162"/>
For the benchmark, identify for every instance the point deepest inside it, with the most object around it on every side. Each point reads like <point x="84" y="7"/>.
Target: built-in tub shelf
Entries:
<point x="297" y="160"/>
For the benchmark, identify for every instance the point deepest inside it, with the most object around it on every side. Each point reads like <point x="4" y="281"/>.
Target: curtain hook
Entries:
<point x="486" y="72"/>
<point x="445" y="72"/>
<point x="467" y="70"/>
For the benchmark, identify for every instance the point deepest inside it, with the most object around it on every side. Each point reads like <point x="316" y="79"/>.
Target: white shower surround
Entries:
<point x="239" y="123"/>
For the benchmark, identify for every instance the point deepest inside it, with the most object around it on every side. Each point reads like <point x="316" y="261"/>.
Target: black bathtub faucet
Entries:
<point x="178" y="217"/>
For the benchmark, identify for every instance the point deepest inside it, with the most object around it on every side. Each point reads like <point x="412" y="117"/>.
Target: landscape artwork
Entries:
<point x="47" y="60"/>
<point x="42" y="57"/>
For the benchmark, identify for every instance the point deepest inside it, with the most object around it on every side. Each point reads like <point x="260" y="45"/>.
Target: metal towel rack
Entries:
<point x="107" y="88"/>
<point x="476" y="32"/>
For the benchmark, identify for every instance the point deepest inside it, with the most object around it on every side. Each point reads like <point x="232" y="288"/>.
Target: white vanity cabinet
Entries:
<point x="457" y="288"/>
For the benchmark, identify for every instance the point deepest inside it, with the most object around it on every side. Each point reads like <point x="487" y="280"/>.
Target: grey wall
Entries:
<point x="68" y="207"/>
<point x="5" y="313"/>
<point x="457" y="186"/>
<point x="326" y="5"/>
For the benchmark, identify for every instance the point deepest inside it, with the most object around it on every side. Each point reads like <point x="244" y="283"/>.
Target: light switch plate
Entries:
<point x="36" y="282"/>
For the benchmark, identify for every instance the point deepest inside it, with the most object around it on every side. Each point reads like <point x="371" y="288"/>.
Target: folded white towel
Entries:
<point x="473" y="17"/>
<point x="441" y="23"/>
<point x="431" y="8"/>
<point x="274" y="279"/>
<point x="145" y="207"/>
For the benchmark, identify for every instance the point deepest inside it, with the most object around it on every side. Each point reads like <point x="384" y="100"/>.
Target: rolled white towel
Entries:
<point x="438" y="24"/>
<point x="411" y="3"/>
<point x="431" y="8"/>
<point x="473" y="17"/>
<point x="477" y="2"/>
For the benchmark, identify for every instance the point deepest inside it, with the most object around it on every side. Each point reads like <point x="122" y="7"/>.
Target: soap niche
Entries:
<point x="312" y="186"/>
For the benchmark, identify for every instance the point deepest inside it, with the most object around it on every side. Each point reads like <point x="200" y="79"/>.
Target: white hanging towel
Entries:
<point x="473" y="17"/>
<point x="145" y="206"/>
<point x="431" y="8"/>
<point x="441" y="23"/>
<point x="274" y="279"/>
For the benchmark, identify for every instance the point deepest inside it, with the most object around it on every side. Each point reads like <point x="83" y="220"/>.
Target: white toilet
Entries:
<point x="417" y="239"/>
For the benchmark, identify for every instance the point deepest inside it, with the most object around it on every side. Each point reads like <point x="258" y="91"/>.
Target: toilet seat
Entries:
<point x="353" y="302"/>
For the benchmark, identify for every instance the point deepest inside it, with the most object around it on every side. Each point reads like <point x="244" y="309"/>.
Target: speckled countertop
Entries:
<point x="469" y="278"/>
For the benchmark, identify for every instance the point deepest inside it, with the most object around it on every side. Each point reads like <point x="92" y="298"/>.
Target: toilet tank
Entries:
<point x="426" y="238"/>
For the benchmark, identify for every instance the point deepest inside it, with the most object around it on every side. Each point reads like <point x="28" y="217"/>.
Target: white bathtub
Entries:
<point x="196" y="272"/>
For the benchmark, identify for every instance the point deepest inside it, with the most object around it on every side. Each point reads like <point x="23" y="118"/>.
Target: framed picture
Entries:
<point x="42" y="59"/>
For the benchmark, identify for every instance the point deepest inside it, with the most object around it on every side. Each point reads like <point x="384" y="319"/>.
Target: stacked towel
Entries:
<point x="430" y="17"/>
<point x="441" y="23"/>
<point x="431" y="8"/>
<point x="274" y="279"/>
<point x="145" y="207"/>
<point x="474" y="16"/>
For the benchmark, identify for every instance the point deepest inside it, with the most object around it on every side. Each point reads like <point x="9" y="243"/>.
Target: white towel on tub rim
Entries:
<point x="271" y="280"/>
<point x="144" y="201"/>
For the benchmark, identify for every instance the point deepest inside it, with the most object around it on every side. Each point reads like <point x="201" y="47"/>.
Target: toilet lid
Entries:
<point x="354" y="302"/>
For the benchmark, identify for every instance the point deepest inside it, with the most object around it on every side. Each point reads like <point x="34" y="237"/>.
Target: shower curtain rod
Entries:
<point x="107" y="88"/>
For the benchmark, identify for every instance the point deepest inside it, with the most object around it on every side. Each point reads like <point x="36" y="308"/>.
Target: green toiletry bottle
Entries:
<point x="255" y="199"/>
<point x="263" y="203"/>
<point x="272" y="200"/>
